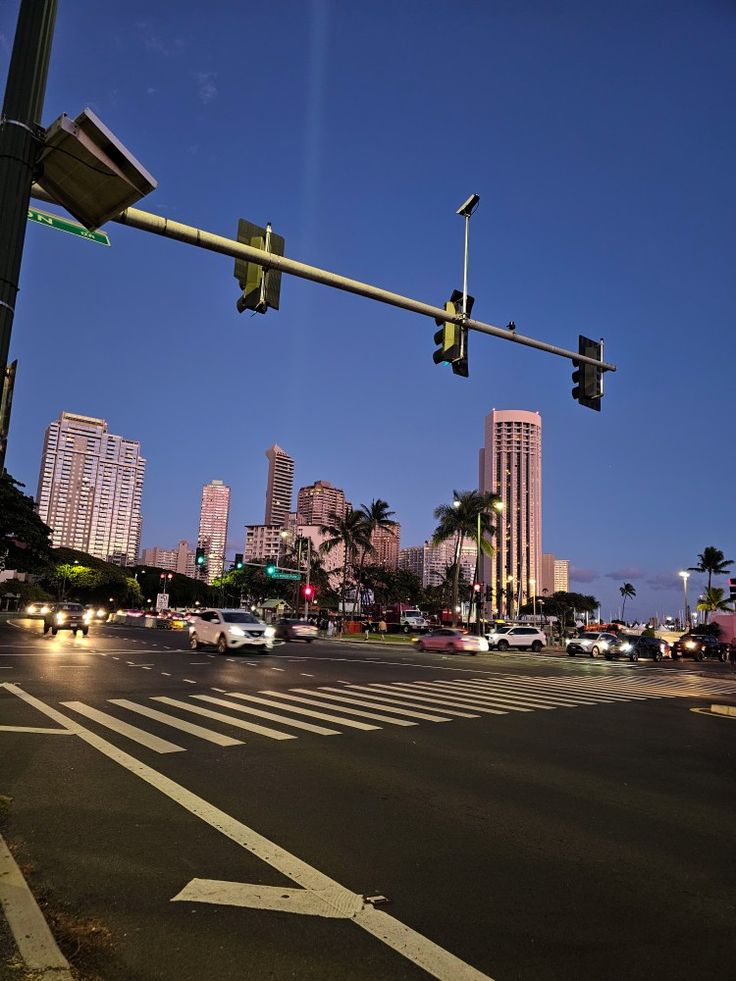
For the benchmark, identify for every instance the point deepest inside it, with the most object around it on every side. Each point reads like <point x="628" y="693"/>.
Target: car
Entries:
<point x="635" y="646"/>
<point x="98" y="613"/>
<point x="529" y="638"/>
<point x="451" y="640"/>
<point x="229" y="630"/>
<point x="292" y="629"/>
<point x="698" y="647"/>
<point x="38" y="609"/>
<point x="66" y="616"/>
<point x="591" y="644"/>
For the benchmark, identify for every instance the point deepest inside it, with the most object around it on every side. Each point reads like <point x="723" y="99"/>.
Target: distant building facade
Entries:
<point x="262" y="542"/>
<point x="438" y="558"/>
<point x="555" y="574"/>
<point x="412" y="560"/>
<point x="179" y="559"/>
<point x="89" y="488"/>
<point x="214" y="514"/>
<point x="318" y="500"/>
<point x="280" y="485"/>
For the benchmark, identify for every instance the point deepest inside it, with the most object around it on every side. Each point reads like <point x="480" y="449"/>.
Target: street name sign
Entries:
<point x="285" y="575"/>
<point x="66" y="225"/>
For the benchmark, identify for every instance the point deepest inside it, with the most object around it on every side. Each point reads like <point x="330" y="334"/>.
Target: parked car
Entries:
<point x="66" y="616"/>
<point x="590" y="644"/>
<point x="39" y="609"/>
<point x="698" y="647"/>
<point x="292" y="629"/>
<point x="451" y="640"/>
<point x="526" y="638"/>
<point x="635" y="646"/>
<point x="229" y="630"/>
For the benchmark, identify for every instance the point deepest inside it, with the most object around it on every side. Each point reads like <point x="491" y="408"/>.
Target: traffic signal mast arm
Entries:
<point x="157" y="225"/>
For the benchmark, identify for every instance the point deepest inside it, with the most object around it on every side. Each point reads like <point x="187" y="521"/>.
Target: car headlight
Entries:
<point x="625" y="647"/>
<point x="60" y="617"/>
<point x="101" y="613"/>
<point x="269" y="632"/>
<point x="29" y="609"/>
<point x="236" y="631"/>
<point x="689" y="644"/>
<point x="45" y="610"/>
<point x="87" y="617"/>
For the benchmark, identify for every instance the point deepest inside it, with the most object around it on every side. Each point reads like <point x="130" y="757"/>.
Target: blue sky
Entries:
<point x="601" y="140"/>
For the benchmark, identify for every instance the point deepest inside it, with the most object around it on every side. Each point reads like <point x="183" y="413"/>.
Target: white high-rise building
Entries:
<point x="280" y="485"/>
<point x="511" y="467"/>
<point x="89" y="488"/>
<point x="214" y="513"/>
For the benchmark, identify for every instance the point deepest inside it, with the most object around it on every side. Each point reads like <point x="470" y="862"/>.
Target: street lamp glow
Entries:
<point x="456" y="503"/>
<point x="498" y="505"/>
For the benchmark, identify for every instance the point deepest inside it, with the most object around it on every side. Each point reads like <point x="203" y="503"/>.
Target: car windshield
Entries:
<point x="502" y="630"/>
<point x="70" y="608"/>
<point x="240" y="618"/>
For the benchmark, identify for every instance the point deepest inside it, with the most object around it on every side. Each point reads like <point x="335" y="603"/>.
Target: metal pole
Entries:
<point x="477" y="557"/>
<point x="157" y="225"/>
<point x="309" y="571"/>
<point x="20" y="142"/>
<point x="465" y="266"/>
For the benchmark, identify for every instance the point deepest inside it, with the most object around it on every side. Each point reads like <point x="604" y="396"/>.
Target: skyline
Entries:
<point x="606" y="209"/>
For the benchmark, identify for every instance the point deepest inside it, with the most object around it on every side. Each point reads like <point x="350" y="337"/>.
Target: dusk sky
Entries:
<point x="600" y="138"/>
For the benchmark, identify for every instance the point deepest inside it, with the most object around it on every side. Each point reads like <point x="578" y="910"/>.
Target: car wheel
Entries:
<point x="221" y="644"/>
<point x="658" y="656"/>
<point x="537" y="646"/>
<point x="193" y="642"/>
<point x="75" y="631"/>
<point x="54" y="631"/>
<point x="594" y="652"/>
<point x="502" y="645"/>
<point x="723" y="657"/>
<point x="699" y="656"/>
<point x="85" y="631"/>
<point x="46" y="628"/>
<point x="634" y="656"/>
<point x="570" y="653"/>
<point x="310" y="639"/>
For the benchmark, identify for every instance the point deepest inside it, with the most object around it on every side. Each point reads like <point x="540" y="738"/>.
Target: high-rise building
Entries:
<point x="89" y="488"/>
<point x="318" y="500"/>
<point x="280" y="485"/>
<point x="562" y="576"/>
<point x="179" y="559"/>
<point x="555" y="574"/>
<point x="385" y="542"/>
<point x="213" y="518"/>
<point x="511" y="466"/>
<point x="262" y="542"/>
<point x="548" y="574"/>
<point x="437" y="559"/>
<point x="412" y="560"/>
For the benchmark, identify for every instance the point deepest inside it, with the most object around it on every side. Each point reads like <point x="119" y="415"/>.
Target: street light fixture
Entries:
<point x="685" y="577"/>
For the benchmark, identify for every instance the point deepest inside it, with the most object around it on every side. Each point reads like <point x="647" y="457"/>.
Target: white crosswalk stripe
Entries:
<point x="310" y="713"/>
<point x="320" y="702"/>
<point x="339" y="695"/>
<point x="271" y="716"/>
<point x="504" y="693"/>
<point x="171" y="720"/>
<point x="124" y="729"/>
<point x="220" y="717"/>
<point x="410" y="701"/>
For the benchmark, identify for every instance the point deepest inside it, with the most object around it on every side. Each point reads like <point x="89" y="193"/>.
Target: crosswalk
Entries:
<point x="331" y="710"/>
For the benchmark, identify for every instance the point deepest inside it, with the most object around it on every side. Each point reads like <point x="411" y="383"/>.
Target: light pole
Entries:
<point x="165" y="582"/>
<point x="533" y="587"/>
<point x="466" y="209"/>
<point x="685" y="577"/>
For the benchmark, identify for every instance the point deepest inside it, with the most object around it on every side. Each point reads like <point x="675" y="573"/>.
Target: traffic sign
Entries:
<point x="277" y="574"/>
<point x="66" y="225"/>
<point x="162" y="601"/>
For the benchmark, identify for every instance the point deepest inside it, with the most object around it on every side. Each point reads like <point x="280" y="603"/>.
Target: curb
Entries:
<point x="30" y="930"/>
<point x="723" y="710"/>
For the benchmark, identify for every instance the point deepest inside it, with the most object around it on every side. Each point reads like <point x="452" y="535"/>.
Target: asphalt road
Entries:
<point x="523" y="817"/>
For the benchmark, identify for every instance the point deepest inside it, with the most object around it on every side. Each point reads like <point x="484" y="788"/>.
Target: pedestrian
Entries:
<point x="339" y="626"/>
<point x="732" y="652"/>
<point x="382" y="628"/>
<point x="367" y="628"/>
<point x="330" y="628"/>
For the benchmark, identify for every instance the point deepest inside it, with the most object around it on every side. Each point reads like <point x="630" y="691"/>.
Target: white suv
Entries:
<point x="523" y="637"/>
<point x="229" y="630"/>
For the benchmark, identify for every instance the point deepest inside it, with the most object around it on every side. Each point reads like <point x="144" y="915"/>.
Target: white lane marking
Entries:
<point x="146" y="667"/>
<point x="221" y="893"/>
<point x="7" y="667"/>
<point x="504" y="692"/>
<point x="189" y="681"/>
<point x="544" y="690"/>
<point x="341" y="696"/>
<point x="251" y="664"/>
<point x="171" y="720"/>
<point x="278" y="669"/>
<point x="115" y="658"/>
<point x="348" y="709"/>
<point x="271" y="716"/>
<point x="305" y="675"/>
<point x="230" y="659"/>
<point x="221" y="690"/>
<point x="45" y="732"/>
<point x="448" y="705"/>
<point x="220" y="717"/>
<point x="349" y="723"/>
<point x="35" y="941"/>
<point x="432" y="958"/>
<point x="197" y="663"/>
<point x="605" y="691"/>
<point x="166" y="674"/>
<point x="124" y="729"/>
<point x="506" y="698"/>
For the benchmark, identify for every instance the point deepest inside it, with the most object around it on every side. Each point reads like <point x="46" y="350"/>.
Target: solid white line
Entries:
<point x="349" y="723"/>
<point x="170" y="720"/>
<point x="435" y="960"/>
<point x="271" y="716"/>
<point x="377" y="693"/>
<point x="123" y="729"/>
<point x="229" y="719"/>
<point x="35" y="941"/>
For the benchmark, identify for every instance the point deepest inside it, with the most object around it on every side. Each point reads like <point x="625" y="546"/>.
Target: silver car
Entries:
<point x="229" y="630"/>
<point x="591" y="644"/>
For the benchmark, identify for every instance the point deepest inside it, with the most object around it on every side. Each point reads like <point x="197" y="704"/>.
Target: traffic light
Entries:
<point x="732" y="589"/>
<point x="238" y="564"/>
<point x="200" y="558"/>
<point x="307" y="592"/>
<point x="489" y="594"/>
<point x="261" y="287"/>
<point x="477" y="587"/>
<point x="588" y="379"/>
<point x="270" y="569"/>
<point x="452" y="338"/>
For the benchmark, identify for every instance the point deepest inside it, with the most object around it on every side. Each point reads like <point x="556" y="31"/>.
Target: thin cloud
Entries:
<point x="151" y="91"/>
<point x="583" y="575"/>
<point x="627" y="574"/>
<point x="206" y="88"/>
<point x="664" y="581"/>
<point x="157" y="45"/>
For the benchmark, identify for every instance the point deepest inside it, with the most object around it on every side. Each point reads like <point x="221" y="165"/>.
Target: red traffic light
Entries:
<point x="476" y="587"/>
<point x="307" y="592"/>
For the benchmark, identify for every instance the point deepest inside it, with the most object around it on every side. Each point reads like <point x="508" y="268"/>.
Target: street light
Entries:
<point x="685" y="577"/>
<point x="533" y="587"/>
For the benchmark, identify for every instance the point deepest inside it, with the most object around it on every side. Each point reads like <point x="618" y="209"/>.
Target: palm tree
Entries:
<point x="459" y="520"/>
<point x="374" y="515"/>
<point x="627" y="590"/>
<point x="713" y="561"/>
<point x="713" y="601"/>
<point x="349" y="531"/>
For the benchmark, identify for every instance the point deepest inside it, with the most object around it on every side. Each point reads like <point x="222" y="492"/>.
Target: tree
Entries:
<point x="713" y="601"/>
<point x="350" y="532"/>
<point x="459" y="520"/>
<point x="375" y="515"/>
<point x="713" y="561"/>
<point x="627" y="590"/>
<point x="24" y="539"/>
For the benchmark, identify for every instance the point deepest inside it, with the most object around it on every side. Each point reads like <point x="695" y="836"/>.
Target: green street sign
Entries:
<point x="285" y="575"/>
<point x="66" y="225"/>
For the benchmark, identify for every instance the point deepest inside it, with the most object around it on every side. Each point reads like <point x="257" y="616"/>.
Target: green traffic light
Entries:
<point x="270" y="569"/>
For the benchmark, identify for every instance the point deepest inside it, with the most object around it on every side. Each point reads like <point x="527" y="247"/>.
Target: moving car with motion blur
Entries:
<point x="229" y="630"/>
<point x="97" y="613"/>
<point x="451" y="641"/>
<point x="66" y="616"/>
<point x="293" y="629"/>
<point x="592" y="645"/>
<point x="698" y="647"/>
<point x="635" y="646"/>
<point x="525" y="638"/>
<point x="38" y="609"/>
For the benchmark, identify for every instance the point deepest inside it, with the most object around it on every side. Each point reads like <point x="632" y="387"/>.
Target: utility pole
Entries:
<point x="21" y="139"/>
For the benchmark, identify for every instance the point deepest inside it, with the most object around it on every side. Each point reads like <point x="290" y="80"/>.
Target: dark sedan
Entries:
<point x="635" y="646"/>
<point x="698" y="647"/>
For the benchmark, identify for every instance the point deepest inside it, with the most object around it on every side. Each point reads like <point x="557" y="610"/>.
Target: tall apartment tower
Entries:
<point x="89" y="488"/>
<point x="317" y="501"/>
<point x="386" y="544"/>
<point x="280" y="485"/>
<point x="511" y="466"/>
<point x="213" y="517"/>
